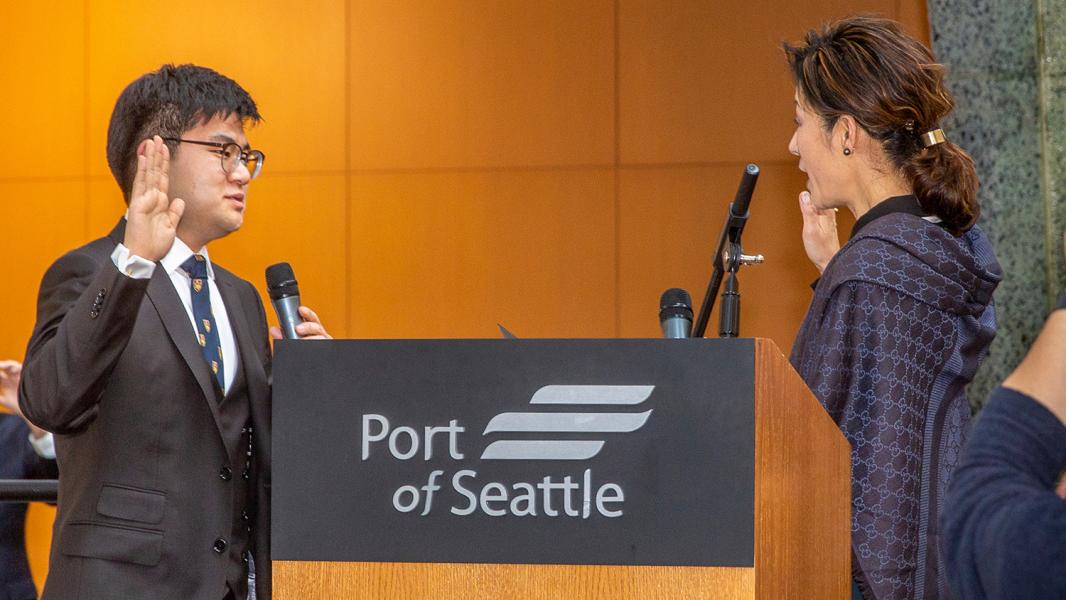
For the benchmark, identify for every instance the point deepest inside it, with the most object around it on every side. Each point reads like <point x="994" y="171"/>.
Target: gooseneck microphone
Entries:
<point x="675" y="313"/>
<point x="729" y="246"/>
<point x="285" y="296"/>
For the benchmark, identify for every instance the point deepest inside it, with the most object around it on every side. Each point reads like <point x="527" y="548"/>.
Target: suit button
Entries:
<point x="225" y="473"/>
<point x="220" y="546"/>
<point x="246" y="474"/>
<point x="245" y="516"/>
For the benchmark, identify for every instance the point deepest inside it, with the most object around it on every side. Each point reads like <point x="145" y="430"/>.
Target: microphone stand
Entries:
<point x="729" y="257"/>
<point x="729" y="314"/>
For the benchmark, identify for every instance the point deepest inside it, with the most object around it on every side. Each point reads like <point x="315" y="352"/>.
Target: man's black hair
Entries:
<point x="167" y="103"/>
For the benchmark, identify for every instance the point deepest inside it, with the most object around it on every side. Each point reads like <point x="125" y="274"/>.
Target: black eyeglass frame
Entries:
<point x="242" y="153"/>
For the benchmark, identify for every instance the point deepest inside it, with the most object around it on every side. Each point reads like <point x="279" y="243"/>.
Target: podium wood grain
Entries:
<point x="349" y="581"/>
<point x="802" y="487"/>
<point x="802" y="531"/>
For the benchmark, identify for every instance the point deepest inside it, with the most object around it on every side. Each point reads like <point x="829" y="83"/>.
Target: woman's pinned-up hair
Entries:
<point x="891" y="84"/>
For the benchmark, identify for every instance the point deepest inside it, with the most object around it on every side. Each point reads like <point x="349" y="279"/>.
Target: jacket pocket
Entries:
<point x="112" y="542"/>
<point x="131" y="504"/>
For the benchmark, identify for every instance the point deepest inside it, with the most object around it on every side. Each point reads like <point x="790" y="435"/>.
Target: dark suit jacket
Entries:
<point x="17" y="461"/>
<point x="114" y="369"/>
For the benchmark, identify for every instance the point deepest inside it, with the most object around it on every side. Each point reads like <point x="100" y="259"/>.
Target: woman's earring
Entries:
<point x="847" y="151"/>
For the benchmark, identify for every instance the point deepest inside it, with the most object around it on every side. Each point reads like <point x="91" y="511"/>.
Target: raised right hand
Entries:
<point x="153" y="217"/>
<point x="820" y="238"/>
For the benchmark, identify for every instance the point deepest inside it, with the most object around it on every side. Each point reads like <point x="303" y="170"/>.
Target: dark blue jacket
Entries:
<point x="17" y="461"/>
<point x="1004" y="528"/>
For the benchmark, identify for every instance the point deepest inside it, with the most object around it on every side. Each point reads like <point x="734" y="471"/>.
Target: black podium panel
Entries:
<point x="628" y="452"/>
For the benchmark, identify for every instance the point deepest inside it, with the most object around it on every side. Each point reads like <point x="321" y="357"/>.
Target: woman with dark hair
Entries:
<point x="902" y="313"/>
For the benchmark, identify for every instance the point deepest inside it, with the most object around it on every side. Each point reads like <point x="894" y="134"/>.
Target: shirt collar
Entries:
<point x="896" y="204"/>
<point x="179" y="253"/>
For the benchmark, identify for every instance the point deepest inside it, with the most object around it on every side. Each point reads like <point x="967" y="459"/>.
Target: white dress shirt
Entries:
<point x="44" y="446"/>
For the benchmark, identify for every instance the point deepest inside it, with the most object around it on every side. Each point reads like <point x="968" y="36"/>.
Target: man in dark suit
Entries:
<point x="152" y="364"/>
<point x="24" y="454"/>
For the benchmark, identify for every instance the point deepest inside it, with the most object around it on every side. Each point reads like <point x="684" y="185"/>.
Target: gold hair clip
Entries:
<point x="934" y="137"/>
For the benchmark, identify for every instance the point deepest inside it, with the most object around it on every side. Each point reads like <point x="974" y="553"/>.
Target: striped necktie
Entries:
<point x="206" y="332"/>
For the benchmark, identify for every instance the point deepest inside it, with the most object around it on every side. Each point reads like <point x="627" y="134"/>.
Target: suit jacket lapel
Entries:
<point x="167" y="303"/>
<point x="253" y="371"/>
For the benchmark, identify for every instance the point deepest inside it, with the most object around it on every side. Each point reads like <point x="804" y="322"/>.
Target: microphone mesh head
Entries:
<point x="281" y="282"/>
<point x="675" y="302"/>
<point x="675" y="297"/>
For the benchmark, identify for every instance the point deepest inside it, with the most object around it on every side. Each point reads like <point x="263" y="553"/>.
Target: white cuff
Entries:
<point x="44" y="446"/>
<point x="132" y="265"/>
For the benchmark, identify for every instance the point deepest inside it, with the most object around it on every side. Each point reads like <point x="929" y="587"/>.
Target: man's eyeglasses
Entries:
<point x="232" y="155"/>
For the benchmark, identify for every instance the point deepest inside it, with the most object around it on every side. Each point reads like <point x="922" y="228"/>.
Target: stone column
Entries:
<point x="1007" y="69"/>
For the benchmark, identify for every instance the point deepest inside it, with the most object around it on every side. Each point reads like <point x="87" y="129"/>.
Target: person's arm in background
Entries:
<point x="1004" y="527"/>
<point x="1042" y="374"/>
<point x="42" y="463"/>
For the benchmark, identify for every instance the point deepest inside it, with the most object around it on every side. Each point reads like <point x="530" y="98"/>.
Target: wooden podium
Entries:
<point x="801" y="511"/>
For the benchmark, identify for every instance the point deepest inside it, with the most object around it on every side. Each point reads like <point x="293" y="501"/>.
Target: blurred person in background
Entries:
<point x="26" y="452"/>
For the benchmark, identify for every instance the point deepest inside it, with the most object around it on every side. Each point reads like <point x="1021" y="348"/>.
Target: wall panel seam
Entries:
<point x="617" y="176"/>
<point x="348" y="169"/>
<point x="85" y="127"/>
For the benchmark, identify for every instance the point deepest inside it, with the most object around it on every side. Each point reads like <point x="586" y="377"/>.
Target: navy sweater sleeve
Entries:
<point x="1004" y="529"/>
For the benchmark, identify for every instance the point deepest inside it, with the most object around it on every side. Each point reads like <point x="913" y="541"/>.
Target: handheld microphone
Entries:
<point x="285" y="296"/>
<point x="675" y="313"/>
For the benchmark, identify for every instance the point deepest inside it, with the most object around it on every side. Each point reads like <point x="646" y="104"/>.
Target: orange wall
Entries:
<point x="435" y="167"/>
